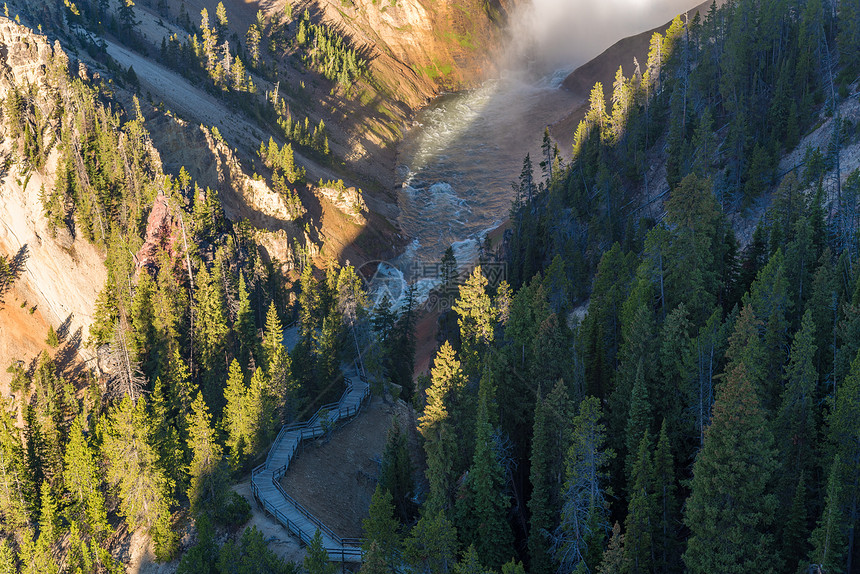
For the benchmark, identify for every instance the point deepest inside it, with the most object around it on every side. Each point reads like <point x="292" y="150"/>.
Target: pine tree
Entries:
<point x="221" y="19"/>
<point x="492" y="535"/>
<point x="381" y="527"/>
<point x="769" y="299"/>
<point x="82" y="477"/>
<point x="638" y="359"/>
<point x="745" y="347"/>
<point x="251" y="555"/>
<point x="845" y="436"/>
<point x="829" y="539"/>
<point x="642" y="512"/>
<point x="165" y="436"/>
<point x="211" y="331"/>
<point x="236" y="417"/>
<point x="469" y="563"/>
<point x="621" y="101"/>
<point x="820" y="303"/>
<point x="48" y="517"/>
<point x="638" y="422"/>
<point x="584" y="516"/>
<point x="372" y="562"/>
<point x="207" y="479"/>
<point x="282" y="384"/>
<point x="436" y="428"/>
<point x="703" y="144"/>
<point x="36" y="555"/>
<point x="182" y="390"/>
<point x="145" y="339"/>
<point x="476" y="318"/>
<point x="513" y="567"/>
<point x="127" y="19"/>
<point x="202" y="556"/>
<point x="732" y="498"/>
<point x="309" y="302"/>
<point x="666" y="544"/>
<point x="615" y="559"/>
<point x="8" y="560"/>
<point x="601" y="328"/>
<point x="317" y="560"/>
<point x="245" y="329"/>
<point x="395" y="473"/>
<point x="794" y="529"/>
<point x="210" y="39"/>
<point x="432" y="544"/>
<point x="796" y="424"/>
<point x="261" y="413"/>
<point x="676" y="369"/>
<point x="252" y="44"/>
<point x="144" y="491"/>
<point x="539" y="504"/>
<point x="15" y="482"/>
<point x="34" y="454"/>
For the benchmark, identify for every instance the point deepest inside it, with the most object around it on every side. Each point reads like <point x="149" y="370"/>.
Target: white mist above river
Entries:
<point x="457" y="164"/>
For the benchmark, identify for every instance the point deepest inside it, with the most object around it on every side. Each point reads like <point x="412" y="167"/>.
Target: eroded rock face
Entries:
<point x="419" y="46"/>
<point x="24" y="57"/>
<point x="348" y="200"/>
<point x="61" y="275"/>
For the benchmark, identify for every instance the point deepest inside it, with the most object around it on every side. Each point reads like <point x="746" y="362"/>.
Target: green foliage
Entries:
<point x="251" y="555"/>
<point x="432" y="544"/>
<point x="732" y="494"/>
<point x="48" y="517"/>
<point x="17" y="492"/>
<point x="372" y="561"/>
<point x="381" y="527"/>
<point x="487" y="501"/>
<point x="83" y="481"/>
<point x="211" y="331"/>
<point x="395" y="473"/>
<point x="329" y="53"/>
<point x="642" y="512"/>
<point x="476" y="318"/>
<point x="8" y="559"/>
<point x="828" y="538"/>
<point x="316" y="559"/>
<point x="132" y="470"/>
<point x="436" y="427"/>
<point x="615" y="560"/>
<point x="207" y="476"/>
<point x="584" y="515"/>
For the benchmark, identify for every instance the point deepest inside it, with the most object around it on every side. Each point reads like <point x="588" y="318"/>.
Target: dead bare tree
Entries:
<point x="126" y="378"/>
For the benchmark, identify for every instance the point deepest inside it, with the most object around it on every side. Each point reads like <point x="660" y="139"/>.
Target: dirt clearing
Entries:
<point x="336" y="480"/>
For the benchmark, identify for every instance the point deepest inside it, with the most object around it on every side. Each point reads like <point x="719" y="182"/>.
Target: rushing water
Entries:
<point x="457" y="164"/>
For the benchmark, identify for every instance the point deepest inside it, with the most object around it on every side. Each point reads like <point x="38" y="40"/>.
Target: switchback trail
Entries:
<point x="265" y="478"/>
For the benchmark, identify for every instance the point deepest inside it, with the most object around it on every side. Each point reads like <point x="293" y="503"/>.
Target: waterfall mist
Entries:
<point x="572" y="32"/>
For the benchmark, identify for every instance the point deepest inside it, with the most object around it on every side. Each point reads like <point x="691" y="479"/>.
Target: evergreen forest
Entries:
<point x="651" y="388"/>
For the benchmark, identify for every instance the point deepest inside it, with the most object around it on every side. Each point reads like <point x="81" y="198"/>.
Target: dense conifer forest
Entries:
<point x="646" y="391"/>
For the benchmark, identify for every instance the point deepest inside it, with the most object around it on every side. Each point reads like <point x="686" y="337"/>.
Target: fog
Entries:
<point x="572" y="32"/>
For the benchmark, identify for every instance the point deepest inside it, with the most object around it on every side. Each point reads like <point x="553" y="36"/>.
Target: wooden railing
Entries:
<point x="347" y="548"/>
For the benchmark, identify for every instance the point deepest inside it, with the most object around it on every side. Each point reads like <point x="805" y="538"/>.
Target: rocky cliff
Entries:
<point x="61" y="274"/>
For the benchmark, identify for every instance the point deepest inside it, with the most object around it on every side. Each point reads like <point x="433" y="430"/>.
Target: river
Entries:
<point x="458" y="162"/>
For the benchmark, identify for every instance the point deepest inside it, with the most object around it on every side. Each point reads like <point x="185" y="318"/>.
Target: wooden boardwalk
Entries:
<point x="265" y="478"/>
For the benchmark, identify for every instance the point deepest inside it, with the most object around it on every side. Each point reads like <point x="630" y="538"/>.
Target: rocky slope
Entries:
<point x="415" y="49"/>
<point x="61" y="275"/>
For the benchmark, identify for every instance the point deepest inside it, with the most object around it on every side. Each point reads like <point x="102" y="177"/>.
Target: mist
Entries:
<point x="572" y="32"/>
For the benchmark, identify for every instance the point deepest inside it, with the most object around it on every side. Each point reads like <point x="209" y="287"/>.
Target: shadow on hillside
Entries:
<point x="67" y="362"/>
<point x="11" y="269"/>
